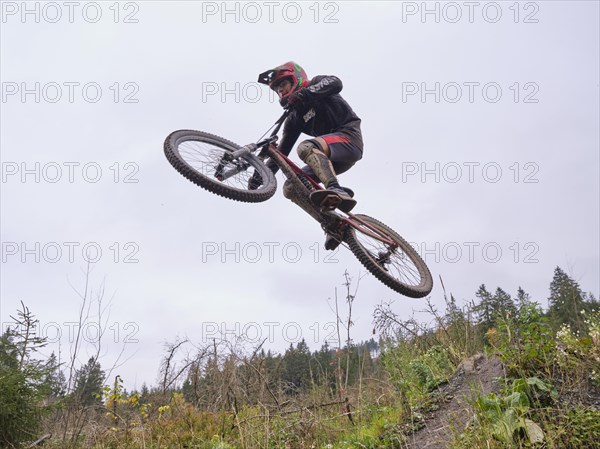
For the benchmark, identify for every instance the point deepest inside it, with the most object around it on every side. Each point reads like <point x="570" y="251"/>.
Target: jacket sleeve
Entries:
<point x="323" y="86"/>
<point x="291" y="132"/>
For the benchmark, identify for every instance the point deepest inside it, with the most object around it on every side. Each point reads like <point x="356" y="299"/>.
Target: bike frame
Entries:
<point x="269" y="147"/>
<point x="330" y="220"/>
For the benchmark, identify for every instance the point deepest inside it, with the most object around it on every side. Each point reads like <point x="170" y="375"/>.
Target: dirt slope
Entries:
<point x="478" y="373"/>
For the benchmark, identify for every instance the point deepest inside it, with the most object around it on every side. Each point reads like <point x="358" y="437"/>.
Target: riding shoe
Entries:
<point x="349" y="191"/>
<point x="347" y="203"/>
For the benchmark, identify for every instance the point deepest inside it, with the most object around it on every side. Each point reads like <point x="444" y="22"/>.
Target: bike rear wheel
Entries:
<point x="395" y="262"/>
<point x="205" y="159"/>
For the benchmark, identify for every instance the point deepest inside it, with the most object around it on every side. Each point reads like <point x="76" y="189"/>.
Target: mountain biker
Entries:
<point x="316" y="109"/>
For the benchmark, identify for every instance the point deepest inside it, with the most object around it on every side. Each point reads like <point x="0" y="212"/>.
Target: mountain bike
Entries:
<point x="224" y="168"/>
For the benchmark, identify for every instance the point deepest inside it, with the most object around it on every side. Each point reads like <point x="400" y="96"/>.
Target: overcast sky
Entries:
<point x="480" y="124"/>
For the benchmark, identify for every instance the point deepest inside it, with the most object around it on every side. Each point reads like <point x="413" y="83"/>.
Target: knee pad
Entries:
<point x="308" y="147"/>
<point x="312" y="155"/>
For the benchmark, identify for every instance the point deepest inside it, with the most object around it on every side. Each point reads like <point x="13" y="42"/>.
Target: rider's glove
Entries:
<point x="255" y="181"/>
<point x="295" y="99"/>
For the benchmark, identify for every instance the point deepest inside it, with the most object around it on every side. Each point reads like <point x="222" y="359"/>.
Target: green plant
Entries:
<point x="578" y="428"/>
<point x="416" y="374"/>
<point x="217" y="442"/>
<point x="24" y="382"/>
<point x="507" y="416"/>
<point x="580" y="354"/>
<point x="525" y="343"/>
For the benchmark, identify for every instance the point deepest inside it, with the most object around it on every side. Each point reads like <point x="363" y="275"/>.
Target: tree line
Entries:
<point x="39" y="395"/>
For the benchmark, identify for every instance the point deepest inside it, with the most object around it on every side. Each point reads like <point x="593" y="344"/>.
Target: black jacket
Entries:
<point x="323" y="111"/>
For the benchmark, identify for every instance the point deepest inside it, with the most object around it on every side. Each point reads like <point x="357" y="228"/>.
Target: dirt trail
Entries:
<point x="477" y="373"/>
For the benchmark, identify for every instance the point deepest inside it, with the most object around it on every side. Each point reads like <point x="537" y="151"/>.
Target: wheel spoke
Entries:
<point x="397" y="263"/>
<point x="398" y="266"/>
<point x="205" y="158"/>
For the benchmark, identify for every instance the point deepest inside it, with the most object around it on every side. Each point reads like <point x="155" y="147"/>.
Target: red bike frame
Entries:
<point x="351" y="220"/>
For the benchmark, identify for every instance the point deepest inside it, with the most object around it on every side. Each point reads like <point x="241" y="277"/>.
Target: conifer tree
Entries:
<point x="296" y="370"/>
<point x="88" y="383"/>
<point x="23" y="381"/>
<point x="485" y="308"/>
<point x="566" y="302"/>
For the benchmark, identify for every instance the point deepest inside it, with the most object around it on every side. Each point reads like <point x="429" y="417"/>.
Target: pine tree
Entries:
<point x="55" y="379"/>
<point x="271" y="367"/>
<point x="503" y="305"/>
<point x="453" y="313"/>
<point x="491" y="308"/>
<point x="211" y="382"/>
<point x="373" y="347"/>
<point x="523" y="299"/>
<point x="591" y="303"/>
<point x="485" y="308"/>
<point x="566" y="302"/>
<point x="19" y="414"/>
<point x="144" y="393"/>
<point x="323" y="366"/>
<point x="190" y="387"/>
<point x="23" y="381"/>
<point x="296" y="368"/>
<point x="88" y="383"/>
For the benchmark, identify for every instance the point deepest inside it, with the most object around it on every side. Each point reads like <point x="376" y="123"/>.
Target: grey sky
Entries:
<point x="540" y="129"/>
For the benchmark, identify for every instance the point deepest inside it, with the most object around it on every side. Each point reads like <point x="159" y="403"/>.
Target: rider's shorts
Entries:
<point x="345" y="148"/>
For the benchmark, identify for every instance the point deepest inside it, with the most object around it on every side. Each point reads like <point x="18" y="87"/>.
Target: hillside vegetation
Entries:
<point x="500" y="372"/>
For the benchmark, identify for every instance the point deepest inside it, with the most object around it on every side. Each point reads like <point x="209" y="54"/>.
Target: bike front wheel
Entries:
<point x="389" y="257"/>
<point x="207" y="161"/>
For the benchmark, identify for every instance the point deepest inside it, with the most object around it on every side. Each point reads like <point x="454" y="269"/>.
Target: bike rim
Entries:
<point x="208" y="159"/>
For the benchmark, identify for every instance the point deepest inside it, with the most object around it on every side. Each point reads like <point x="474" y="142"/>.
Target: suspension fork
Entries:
<point x="248" y="149"/>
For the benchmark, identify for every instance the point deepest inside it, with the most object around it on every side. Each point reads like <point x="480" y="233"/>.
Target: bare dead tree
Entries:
<point x="387" y="322"/>
<point x="76" y="414"/>
<point x="347" y="324"/>
<point x="169" y="370"/>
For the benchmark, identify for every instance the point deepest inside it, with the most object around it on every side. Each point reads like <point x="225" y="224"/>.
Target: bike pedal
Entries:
<point x="325" y="199"/>
<point x="331" y="202"/>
